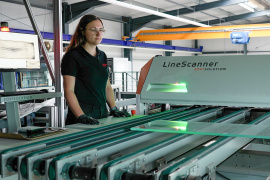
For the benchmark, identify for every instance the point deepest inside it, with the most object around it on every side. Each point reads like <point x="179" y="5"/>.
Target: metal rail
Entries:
<point x="17" y="151"/>
<point x="216" y="32"/>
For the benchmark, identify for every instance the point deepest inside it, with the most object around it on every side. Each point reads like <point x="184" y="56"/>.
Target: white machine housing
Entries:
<point x="19" y="51"/>
<point x="238" y="80"/>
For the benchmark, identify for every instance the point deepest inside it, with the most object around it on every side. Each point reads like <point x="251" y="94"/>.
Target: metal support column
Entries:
<point x="12" y="108"/>
<point x="58" y="49"/>
<point x="166" y="52"/>
<point x="52" y="116"/>
<point x="66" y="17"/>
<point x="43" y="47"/>
<point x="123" y="82"/>
<point x="196" y="45"/>
<point x="168" y="43"/>
<point x="128" y="52"/>
<point x="127" y="32"/>
<point x="245" y="49"/>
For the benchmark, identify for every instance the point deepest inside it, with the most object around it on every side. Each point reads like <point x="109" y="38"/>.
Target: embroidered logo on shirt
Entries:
<point x="104" y="65"/>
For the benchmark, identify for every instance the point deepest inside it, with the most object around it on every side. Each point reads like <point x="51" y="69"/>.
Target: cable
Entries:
<point x="40" y="45"/>
<point x="24" y="17"/>
<point x="45" y="17"/>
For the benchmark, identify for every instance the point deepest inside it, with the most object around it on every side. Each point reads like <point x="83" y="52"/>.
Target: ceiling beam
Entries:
<point x="264" y="22"/>
<point x="82" y="6"/>
<point x="146" y="19"/>
<point x="143" y="5"/>
<point x="198" y="2"/>
<point x="33" y="4"/>
<point x="232" y="18"/>
<point x="214" y="32"/>
<point x="78" y="14"/>
<point x="77" y="10"/>
<point x="107" y="16"/>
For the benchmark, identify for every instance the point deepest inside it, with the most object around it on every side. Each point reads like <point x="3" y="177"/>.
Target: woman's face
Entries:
<point x="93" y="32"/>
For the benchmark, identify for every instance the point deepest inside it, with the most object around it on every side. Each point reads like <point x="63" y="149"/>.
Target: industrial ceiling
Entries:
<point x="209" y="12"/>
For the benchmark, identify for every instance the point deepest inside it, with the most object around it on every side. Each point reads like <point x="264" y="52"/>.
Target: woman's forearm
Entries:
<point x="73" y="103"/>
<point x="110" y="95"/>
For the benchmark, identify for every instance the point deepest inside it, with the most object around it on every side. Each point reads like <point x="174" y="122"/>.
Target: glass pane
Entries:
<point x="206" y="128"/>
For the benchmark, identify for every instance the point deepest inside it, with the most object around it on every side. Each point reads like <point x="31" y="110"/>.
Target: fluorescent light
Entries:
<point x="250" y="4"/>
<point x="246" y="6"/>
<point x="255" y="4"/>
<point x="138" y="8"/>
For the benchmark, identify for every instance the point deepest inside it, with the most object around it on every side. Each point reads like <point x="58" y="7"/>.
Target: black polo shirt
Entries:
<point x="91" y="75"/>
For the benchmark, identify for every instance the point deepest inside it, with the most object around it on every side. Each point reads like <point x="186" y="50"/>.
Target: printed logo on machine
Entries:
<point x="198" y="66"/>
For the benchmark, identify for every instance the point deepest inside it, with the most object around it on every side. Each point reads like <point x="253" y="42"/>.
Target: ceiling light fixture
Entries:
<point x="138" y="8"/>
<point x="259" y="4"/>
<point x="248" y="5"/>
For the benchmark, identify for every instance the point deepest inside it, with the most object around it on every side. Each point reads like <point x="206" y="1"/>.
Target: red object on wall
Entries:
<point x="4" y="27"/>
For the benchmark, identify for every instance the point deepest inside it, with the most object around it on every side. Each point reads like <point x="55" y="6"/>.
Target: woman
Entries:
<point x="85" y="75"/>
